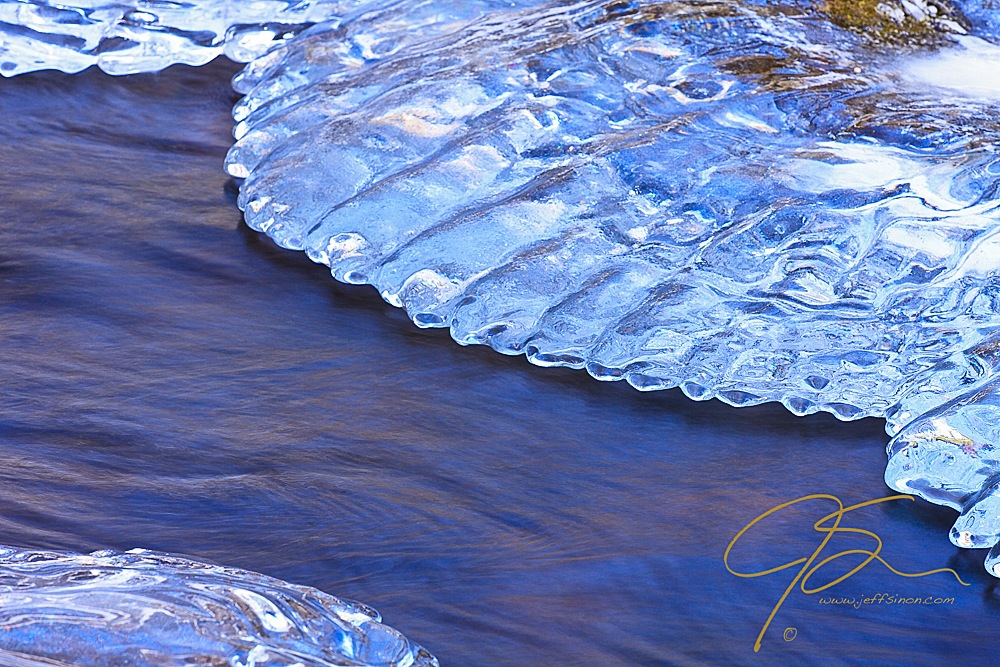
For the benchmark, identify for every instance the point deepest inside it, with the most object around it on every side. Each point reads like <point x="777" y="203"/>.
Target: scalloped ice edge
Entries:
<point x="641" y="375"/>
<point x="632" y="374"/>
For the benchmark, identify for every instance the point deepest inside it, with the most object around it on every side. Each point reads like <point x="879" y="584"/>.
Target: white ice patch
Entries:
<point x="971" y="69"/>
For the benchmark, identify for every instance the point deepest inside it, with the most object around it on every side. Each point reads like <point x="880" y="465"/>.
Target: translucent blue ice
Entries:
<point x="131" y="36"/>
<point x="753" y="201"/>
<point x="747" y="202"/>
<point x="144" y="608"/>
<point x="128" y="36"/>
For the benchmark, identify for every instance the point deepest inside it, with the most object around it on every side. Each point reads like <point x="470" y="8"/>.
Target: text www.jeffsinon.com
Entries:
<point x="885" y="599"/>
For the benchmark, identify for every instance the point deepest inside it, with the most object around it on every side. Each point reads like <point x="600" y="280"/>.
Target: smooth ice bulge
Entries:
<point x="141" y="607"/>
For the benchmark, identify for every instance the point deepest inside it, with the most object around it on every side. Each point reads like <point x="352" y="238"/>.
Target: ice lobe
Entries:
<point x="129" y="36"/>
<point x="141" y="607"/>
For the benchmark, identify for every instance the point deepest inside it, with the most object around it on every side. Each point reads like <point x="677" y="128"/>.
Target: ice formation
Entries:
<point x="129" y="36"/>
<point x="703" y="196"/>
<point x="752" y="201"/>
<point x="146" y="608"/>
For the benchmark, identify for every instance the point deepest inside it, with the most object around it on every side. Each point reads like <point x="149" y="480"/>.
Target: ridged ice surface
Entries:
<point x="130" y="36"/>
<point x="145" y="608"/>
<point x="749" y="202"/>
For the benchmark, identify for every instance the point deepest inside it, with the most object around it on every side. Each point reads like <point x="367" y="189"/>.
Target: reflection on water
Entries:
<point x="173" y="381"/>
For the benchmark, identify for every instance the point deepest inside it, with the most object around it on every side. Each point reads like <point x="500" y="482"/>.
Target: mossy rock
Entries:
<point x="898" y="22"/>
